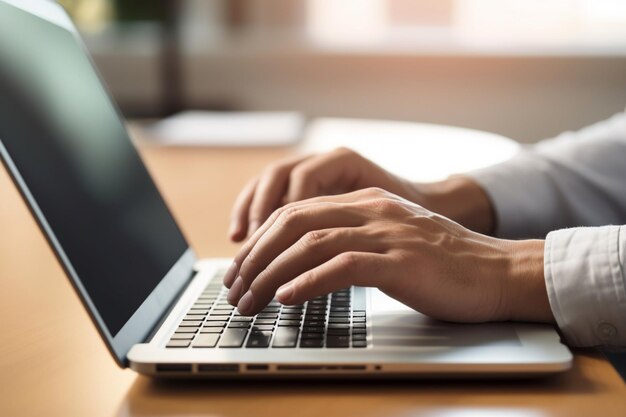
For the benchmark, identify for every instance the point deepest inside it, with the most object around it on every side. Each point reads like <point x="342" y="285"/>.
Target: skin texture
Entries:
<point x="349" y="222"/>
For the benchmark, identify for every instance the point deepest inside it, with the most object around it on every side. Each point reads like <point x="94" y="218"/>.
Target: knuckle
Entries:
<point x="313" y="238"/>
<point x="300" y="175"/>
<point x="274" y="168"/>
<point x="289" y="216"/>
<point x="301" y="170"/>
<point x="344" y="151"/>
<point x="279" y="212"/>
<point x="348" y="261"/>
<point x="376" y="192"/>
<point x="382" y="204"/>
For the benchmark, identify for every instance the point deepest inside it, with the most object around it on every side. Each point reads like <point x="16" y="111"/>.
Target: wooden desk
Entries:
<point x="53" y="363"/>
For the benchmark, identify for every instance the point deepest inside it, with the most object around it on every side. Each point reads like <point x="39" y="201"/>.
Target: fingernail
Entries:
<point x="230" y="274"/>
<point x="246" y="303"/>
<point x="284" y="293"/>
<point x="235" y="291"/>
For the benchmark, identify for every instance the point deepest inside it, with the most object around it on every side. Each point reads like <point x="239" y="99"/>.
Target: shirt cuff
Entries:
<point x="522" y="196"/>
<point x="585" y="283"/>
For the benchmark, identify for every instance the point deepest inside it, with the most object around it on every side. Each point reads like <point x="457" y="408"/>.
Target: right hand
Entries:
<point x="297" y="178"/>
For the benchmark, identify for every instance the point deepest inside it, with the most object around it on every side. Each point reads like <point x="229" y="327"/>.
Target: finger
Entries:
<point x="313" y="249"/>
<point x="325" y="173"/>
<point x="239" y="217"/>
<point x="269" y="192"/>
<point x="346" y="269"/>
<point x="354" y="196"/>
<point x="288" y="227"/>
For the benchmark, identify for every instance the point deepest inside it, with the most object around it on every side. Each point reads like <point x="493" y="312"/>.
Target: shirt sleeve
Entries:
<point x="584" y="272"/>
<point x="574" y="180"/>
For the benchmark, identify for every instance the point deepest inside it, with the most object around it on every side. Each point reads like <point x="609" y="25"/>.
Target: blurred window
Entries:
<point x="468" y="22"/>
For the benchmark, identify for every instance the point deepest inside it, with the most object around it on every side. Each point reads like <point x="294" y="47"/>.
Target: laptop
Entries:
<point x="161" y="311"/>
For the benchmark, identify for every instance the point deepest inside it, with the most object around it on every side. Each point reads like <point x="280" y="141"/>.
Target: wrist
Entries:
<point x="460" y="199"/>
<point x="526" y="296"/>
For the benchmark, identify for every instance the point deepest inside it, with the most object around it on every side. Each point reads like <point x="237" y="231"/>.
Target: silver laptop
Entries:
<point x="161" y="311"/>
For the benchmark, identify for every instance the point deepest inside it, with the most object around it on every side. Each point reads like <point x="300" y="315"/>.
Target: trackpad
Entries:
<point x="394" y="324"/>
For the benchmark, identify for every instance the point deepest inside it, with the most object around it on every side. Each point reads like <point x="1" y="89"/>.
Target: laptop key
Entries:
<point x="264" y="321"/>
<point x="262" y="327"/>
<point x="190" y="324"/>
<point x="314" y="323"/>
<point x="259" y="339"/>
<point x="242" y="319"/>
<point x="223" y="308"/>
<point x="339" y="320"/>
<point x="340" y="303"/>
<point x="212" y="330"/>
<point x="345" y="332"/>
<point x="182" y="336"/>
<point x="357" y="336"/>
<point x="359" y="343"/>
<point x="339" y="314"/>
<point x="309" y="335"/>
<point x="286" y="337"/>
<point x="200" y="307"/>
<point x="178" y="343"/>
<point x="313" y="329"/>
<point x="223" y="314"/>
<point x="333" y="341"/>
<point x="287" y="316"/>
<point x="312" y="343"/>
<point x="238" y="325"/>
<point x="221" y="323"/>
<point x="233" y="338"/>
<point x="186" y="330"/>
<point x="192" y="318"/>
<point x="206" y="340"/>
<point x="267" y="316"/>
<point x="291" y="323"/>
<point x="202" y="312"/>
<point x="217" y="318"/>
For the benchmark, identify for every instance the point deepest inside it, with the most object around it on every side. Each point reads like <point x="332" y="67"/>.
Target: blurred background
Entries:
<point x="527" y="69"/>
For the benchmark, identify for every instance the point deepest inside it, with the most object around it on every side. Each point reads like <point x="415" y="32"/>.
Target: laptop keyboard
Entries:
<point x="336" y="320"/>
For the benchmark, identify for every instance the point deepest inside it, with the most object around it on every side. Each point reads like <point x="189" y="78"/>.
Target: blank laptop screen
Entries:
<point x="72" y="151"/>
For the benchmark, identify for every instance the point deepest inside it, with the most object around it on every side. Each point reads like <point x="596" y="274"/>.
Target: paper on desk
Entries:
<point x="205" y="128"/>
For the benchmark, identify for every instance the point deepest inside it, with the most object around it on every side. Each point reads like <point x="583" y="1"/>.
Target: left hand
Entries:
<point x="374" y="238"/>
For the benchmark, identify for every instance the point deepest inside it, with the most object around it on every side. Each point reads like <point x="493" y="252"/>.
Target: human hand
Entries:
<point x="374" y="238"/>
<point x="299" y="178"/>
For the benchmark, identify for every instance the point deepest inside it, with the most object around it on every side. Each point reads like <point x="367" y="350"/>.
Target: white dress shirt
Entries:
<point x="573" y="189"/>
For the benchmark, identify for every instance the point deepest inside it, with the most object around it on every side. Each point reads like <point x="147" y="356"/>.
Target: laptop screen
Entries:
<point x="71" y="150"/>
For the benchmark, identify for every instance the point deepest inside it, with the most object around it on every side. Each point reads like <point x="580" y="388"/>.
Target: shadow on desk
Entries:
<point x="327" y="398"/>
